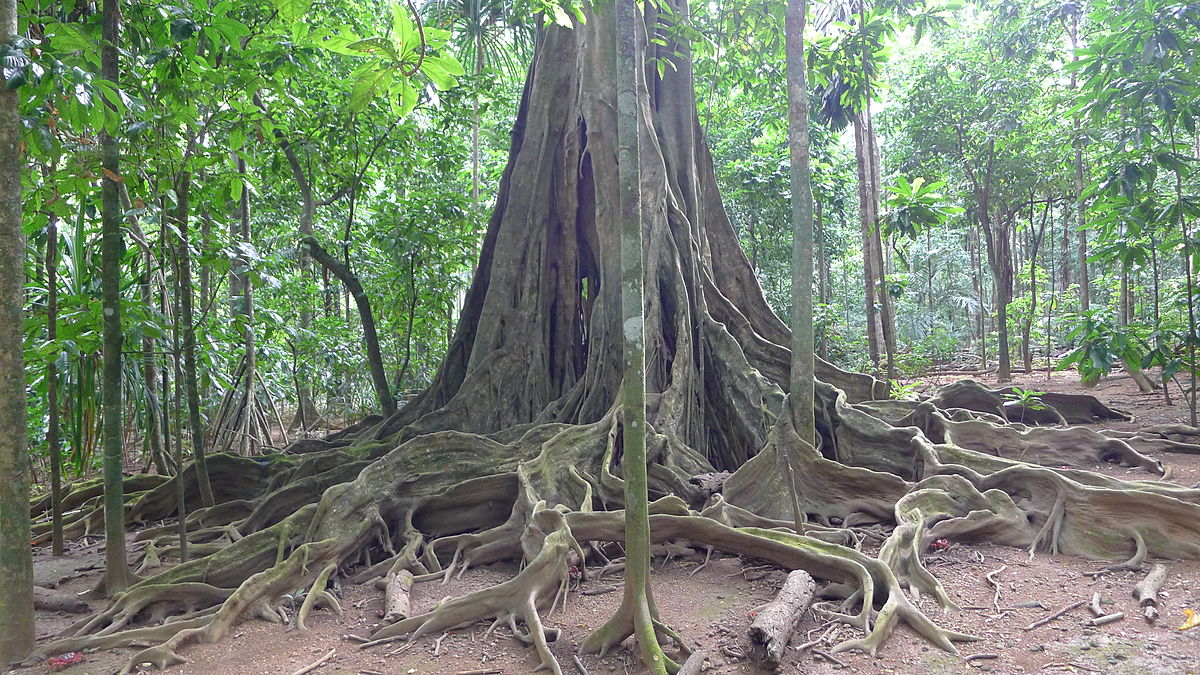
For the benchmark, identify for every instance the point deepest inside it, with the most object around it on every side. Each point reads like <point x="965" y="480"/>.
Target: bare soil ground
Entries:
<point x="712" y="609"/>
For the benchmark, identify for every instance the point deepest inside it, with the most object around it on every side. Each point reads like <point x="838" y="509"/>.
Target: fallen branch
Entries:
<point x="1101" y="620"/>
<point x="829" y="657"/>
<point x="994" y="583"/>
<point x="1095" y="605"/>
<point x="1064" y="610"/>
<point x="1146" y="591"/>
<point x="316" y="664"/>
<point x="579" y="665"/>
<point x="981" y="657"/>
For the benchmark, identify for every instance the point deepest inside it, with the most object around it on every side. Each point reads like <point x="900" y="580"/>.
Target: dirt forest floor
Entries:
<point x="712" y="608"/>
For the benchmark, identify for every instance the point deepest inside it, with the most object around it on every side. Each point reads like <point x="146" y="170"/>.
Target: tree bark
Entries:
<point x="374" y="358"/>
<point x="397" y="598"/>
<point x="16" y="558"/>
<point x="1189" y="255"/>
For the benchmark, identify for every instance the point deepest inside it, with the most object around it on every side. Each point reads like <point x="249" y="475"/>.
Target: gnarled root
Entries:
<point x="543" y="582"/>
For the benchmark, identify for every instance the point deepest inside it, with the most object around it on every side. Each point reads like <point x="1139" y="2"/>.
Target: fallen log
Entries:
<point x="397" y="598"/>
<point x="775" y="623"/>
<point x="53" y="601"/>
<point x="694" y="664"/>
<point x="1146" y="591"/>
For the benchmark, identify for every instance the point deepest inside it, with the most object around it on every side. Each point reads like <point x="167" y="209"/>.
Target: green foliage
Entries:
<point x="1026" y="398"/>
<point x="905" y="392"/>
<point x="1101" y="343"/>
<point x="911" y="207"/>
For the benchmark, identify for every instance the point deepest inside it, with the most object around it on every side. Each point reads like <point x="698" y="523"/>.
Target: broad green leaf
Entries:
<point x="442" y="71"/>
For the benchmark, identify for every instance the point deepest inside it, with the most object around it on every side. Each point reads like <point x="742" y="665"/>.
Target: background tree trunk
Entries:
<point x="374" y="358"/>
<point x="187" y="318"/>
<point x="823" y="283"/>
<point x="52" y="440"/>
<point x="1085" y="293"/>
<point x="247" y="310"/>
<point x="862" y="148"/>
<point x="306" y="413"/>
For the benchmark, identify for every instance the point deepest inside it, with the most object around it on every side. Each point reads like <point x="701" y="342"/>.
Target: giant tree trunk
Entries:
<point x="513" y="451"/>
<point x="16" y="561"/>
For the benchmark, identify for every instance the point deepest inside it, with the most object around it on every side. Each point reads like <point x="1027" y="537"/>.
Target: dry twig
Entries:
<point x="316" y="664"/>
<point x="1064" y="610"/>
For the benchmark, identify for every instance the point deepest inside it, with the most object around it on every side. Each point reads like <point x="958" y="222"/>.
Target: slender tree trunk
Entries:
<point x="180" y="488"/>
<point x="823" y="281"/>
<point x="1035" y="246"/>
<point x="398" y="386"/>
<point x="52" y="439"/>
<point x="638" y="598"/>
<point x="981" y="316"/>
<point x="116" y="568"/>
<point x="803" y="374"/>
<point x="247" y="303"/>
<point x="887" y="315"/>
<point x="1065" y="254"/>
<point x="16" y="557"/>
<point x="1000" y="261"/>
<point x="374" y="358"/>
<point x="187" y="319"/>
<point x="1190" y="286"/>
<point x="866" y="222"/>
<point x="1085" y="302"/>
<point x="307" y="410"/>
<point x="154" y="434"/>
<point x="475" y="123"/>
<point x="1124" y="301"/>
<point x="237" y="275"/>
